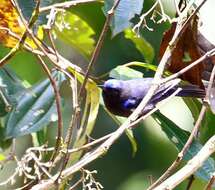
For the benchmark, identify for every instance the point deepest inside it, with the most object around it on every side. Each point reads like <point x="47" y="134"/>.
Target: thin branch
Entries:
<point x="210" y="183"/>
<point x="98" y="46"/>
<point x="14" y="50"/>
<point x="58" y="105"/>
<point x="190" y="182"/>
<point x="191" y="167"/>
<point x="65" y="5"/>
<point x="92" y="61"/>
<point x="91" y="156"/>
<point x="206" y="56"/>
<point x="191" y="137"/>
<point x="193" y="134"/>
<point x="73" y="123"/>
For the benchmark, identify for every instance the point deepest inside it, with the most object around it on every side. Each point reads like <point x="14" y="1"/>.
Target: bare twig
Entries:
<point x="73" y="124"/>
<point x="193" y="134"/>
<point x="187" y="68"/>
<point x="191" y="137"/>
<point x="105" y="146"/>
<point x="190" y="182"/>
<point x="58" y="104"/>
<point x="192" y="166"/>
<point x="210" y="183"/>
<point x="98" y="46"/>
<point x="65" y="5"/>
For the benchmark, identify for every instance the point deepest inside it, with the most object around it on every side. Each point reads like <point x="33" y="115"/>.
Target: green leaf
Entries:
<point x="194" y="106"/>
<point x="129" y="133"/>
<point x="11" y="88"/>
<point x="34" y="110"/>
<point x="27" y="8"/>
<point x="124" y="12"/>
<point x="145" y="65"/>
<point x="179" y="137"/>
<point x="4" y="143"/>
<point x="124" y="73"/>
<point x="92" y="101"/>
<point x="90" y="110"/>
<point x="141" y="44"/>
<point x="207" y="129"/>
<point x="2" y="157"/>
<point x="74" y="31"/>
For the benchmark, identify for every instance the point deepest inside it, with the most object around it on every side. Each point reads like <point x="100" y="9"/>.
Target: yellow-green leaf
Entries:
<point x="141" y="44"/>
<point x="75" y="32"/>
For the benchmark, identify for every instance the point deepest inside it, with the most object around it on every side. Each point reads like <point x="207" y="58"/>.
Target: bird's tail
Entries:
<point x="191" y="91"/>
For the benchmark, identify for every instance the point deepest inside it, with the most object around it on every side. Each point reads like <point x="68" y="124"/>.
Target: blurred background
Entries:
<point x="118" y="169"/>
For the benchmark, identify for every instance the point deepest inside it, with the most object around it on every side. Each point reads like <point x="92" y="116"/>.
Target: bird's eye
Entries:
<point x="115" y="91"/>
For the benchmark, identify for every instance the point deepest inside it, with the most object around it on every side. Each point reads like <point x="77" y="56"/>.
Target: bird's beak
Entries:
<point x="101" y="86"/>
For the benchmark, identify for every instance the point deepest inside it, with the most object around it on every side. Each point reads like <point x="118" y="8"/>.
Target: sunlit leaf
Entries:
<point x="91" y="104"/>
<point x="123" y="14"/>
<point x="74" y="31"/>
<point x="34" y="110"/>
<point x="10" y="21"/>
<point x="179" y="137"/>
<point x="93" y="96"/>
<point x="141" y="44"/>
<point x="2" y="157"/>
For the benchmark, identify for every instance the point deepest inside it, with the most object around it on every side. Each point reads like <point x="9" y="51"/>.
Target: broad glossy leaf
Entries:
<point x="34" y="110"/>
<point x="141" y="44"/>
<point x="11" y="88"/>
<point x="179" y="137"/>
<point x="74" y="31"/>
<point x="123" y="14"/>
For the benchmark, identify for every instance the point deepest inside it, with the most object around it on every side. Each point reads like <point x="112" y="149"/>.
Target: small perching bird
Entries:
<point x="122" y="97"/>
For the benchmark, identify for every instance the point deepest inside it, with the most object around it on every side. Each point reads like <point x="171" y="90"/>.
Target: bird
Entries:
<point x="121" y="97"/>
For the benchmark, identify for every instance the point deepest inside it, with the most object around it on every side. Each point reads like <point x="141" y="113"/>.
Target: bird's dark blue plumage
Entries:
<point x="122" y="97"/>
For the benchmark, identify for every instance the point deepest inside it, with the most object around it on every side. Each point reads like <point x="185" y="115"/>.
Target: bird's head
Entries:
<point x="112" y="87"/>
<point x="112" y="92"/>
